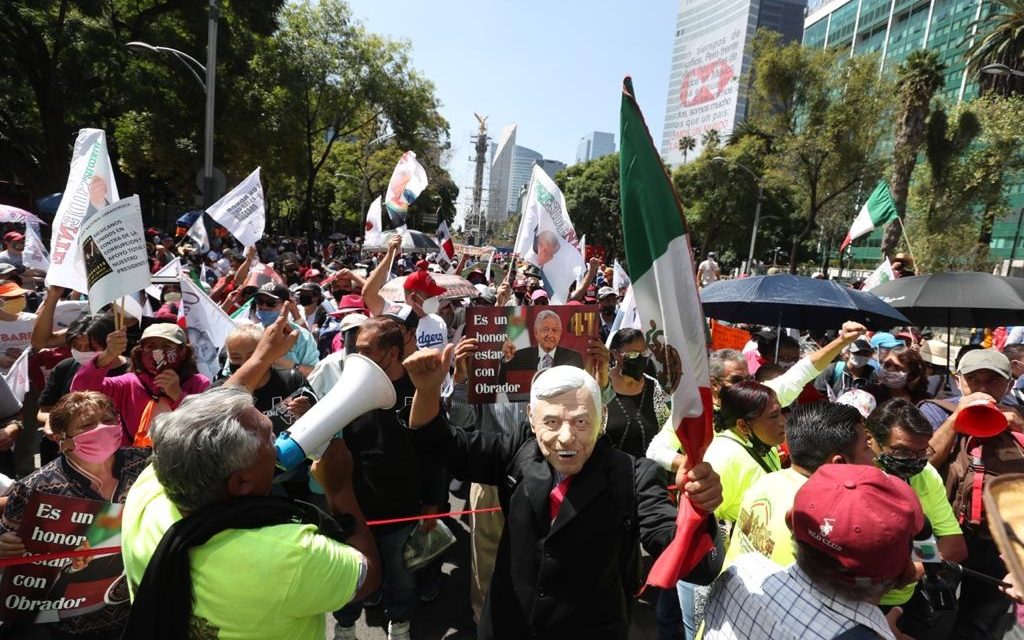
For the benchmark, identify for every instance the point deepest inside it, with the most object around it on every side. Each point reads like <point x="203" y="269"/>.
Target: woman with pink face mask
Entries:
<point x="163" y="374"/>
<point x="92" y="465"/>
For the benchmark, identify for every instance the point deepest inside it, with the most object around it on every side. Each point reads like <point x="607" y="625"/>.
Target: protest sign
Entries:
<point x="67" y="311"/>
<point x="16" y="378"/>
<point x="90" y="187"/>
<point x="516" y="342"/>
<point x="54" y="590"/>
<point x="208" y="327"/>
<point x="241" y="210"/>
<point x="373" y="236"/>
<point x="35" y="255"/>
<point x="407" y="182"/>
<point x="546" y="237"/>
<point x="724" y="337"/>
<point x="114" y="249"/>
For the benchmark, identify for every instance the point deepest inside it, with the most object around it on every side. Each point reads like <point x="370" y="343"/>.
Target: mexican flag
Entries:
<point x="661" y="264"/>
<point x="881" y="275"/>
<point x="877" y="211"/>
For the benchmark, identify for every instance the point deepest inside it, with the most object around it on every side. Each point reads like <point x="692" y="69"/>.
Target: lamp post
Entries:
<point x="757" y="207"/>
<point x="209" y="70"/>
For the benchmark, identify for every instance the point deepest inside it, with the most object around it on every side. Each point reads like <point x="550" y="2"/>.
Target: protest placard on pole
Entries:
<point x="241" y="210"/>
<point x="35" y="255"/>
<point x="90" y="187"/>
<point x="54" y="590"/>
<point x="114" y="250"/>
<point x="516" y="342"/>
<point x="208" y="327"/>
<point x="407" y="182"/>
<point x="724" y="337"/>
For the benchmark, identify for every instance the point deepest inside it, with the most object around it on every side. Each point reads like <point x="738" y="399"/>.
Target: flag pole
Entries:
<point x="910" y="249"/>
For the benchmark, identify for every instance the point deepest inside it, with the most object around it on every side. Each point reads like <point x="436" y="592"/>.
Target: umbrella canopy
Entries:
<point x="454" y="286"/>
<point x="957" y="299"/>
<point x="14" y="214"/>
<point x="412" y="240"/>
<point x="797" y="302"/>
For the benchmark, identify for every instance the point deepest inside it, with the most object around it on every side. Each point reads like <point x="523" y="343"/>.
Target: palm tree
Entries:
<point x="686" y="145"/>
<point x="997" y="38"/>
<point x="711" y="138"/>
<point x="918" y="78"/>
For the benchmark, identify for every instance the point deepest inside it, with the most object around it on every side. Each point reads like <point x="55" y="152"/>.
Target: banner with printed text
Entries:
<point x="54" y="590"/>
<point x="114" y="249"/>
<point x="516" y="342"/>
<point x="241" y="210"/>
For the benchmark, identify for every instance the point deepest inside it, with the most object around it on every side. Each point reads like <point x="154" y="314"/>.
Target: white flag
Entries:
<point x="168" y="273"/>
<point x="374" y="237"/>
<point x="16" y="378"/>
<point x="546" y="236"/>
<point x="883" y="273"/>
<point x="581" y="271"/>
<point x="208" y="326"/>
<point x="241" y="210"/>
<point x="90" y="187"/>
<point x="627" y="317"/>
<point x="619" y="278"/>
<point x="198" y="233"/>
<point x="407" y="182"/>
<point x="35" y="255"/>
<point x="490" y="261"/>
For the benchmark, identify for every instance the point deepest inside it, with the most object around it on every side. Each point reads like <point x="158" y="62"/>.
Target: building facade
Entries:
<point x="892" y="29"/>
<point x="551" y="167"/>
<point x="710" y="64"/>
<point x="522" y="166"/>
<point x="501" y="174"/>
<point x="594" y="145"/>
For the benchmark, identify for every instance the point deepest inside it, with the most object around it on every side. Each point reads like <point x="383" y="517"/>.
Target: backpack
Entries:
<point x="975" y="463"/>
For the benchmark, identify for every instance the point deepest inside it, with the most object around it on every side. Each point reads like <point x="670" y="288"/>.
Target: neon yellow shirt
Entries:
<point x="275" y="582"/>
<point x="734" y="461"/>
<point x="761" y="525"/>
<point x="931" y="492"/>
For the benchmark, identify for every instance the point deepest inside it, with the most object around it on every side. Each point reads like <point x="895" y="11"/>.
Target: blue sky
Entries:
<point x="553" y="67"/>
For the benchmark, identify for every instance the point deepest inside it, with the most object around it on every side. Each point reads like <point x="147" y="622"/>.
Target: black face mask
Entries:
<point x="904" y="468"/>
<point x="608" y="310"/>
<point x="339" y="293"/>
<point x="635" y="367"/>
<point x="306" y="300"/>
<point x="233" y="368"/>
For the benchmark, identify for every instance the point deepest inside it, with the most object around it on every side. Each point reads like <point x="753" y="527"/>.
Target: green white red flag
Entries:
<point x="880" y="209"/>
<point x="661" y="264"/>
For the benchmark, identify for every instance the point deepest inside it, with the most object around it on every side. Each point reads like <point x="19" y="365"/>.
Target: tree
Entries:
<point x="997" y="40"/>
<point x="821" y="115"/>
<point x="918" y="78"/>
<point x="686" y="145"/>
<point x="591" y="191"/>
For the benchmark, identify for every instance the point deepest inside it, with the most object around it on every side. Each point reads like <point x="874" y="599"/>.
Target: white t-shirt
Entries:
<point x="708" y="271"/>
<point x="15" y="335"/>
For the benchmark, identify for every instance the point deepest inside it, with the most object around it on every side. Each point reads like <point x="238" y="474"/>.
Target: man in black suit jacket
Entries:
<point x="576" y="509"/>
<point x="547" y="333"/>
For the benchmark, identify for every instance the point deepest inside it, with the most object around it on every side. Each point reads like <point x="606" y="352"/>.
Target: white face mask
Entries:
<point x="430" y="305"/>
<point x="859" y="361"/>
<point x="893" y="379"/>
<point x="81" y="357"/>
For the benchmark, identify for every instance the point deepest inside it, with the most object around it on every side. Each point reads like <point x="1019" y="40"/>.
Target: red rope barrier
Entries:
<point x="106" y="551"/>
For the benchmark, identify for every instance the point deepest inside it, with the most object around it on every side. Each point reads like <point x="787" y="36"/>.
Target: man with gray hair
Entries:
<point x="577" y="510"/>
<point x="547" y="333"/>
<point x="208" y="552"/>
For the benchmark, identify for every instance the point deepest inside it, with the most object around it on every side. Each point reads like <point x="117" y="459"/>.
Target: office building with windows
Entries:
<point x="594" y="145"/>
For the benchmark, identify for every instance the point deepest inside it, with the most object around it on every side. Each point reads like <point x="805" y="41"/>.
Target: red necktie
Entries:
<point x="558" y="495"/>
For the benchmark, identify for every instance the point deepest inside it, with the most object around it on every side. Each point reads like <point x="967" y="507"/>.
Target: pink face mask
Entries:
<point x="99" y="443"/>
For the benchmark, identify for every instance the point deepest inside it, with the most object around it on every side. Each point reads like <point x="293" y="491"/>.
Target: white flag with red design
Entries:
<point x="373" y="236"/>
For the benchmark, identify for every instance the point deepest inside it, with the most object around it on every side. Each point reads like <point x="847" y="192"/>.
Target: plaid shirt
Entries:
<point x="755" y="598"/>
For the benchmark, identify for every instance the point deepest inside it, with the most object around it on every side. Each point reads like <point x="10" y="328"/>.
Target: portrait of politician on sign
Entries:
<point x="545" y="353"/>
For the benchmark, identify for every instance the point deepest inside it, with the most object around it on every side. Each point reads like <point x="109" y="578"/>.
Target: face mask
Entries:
<point x="901" y="467"/>
<point x="13" y="306"/>
<point x="99" y="443"/>
<point x="339" y="293"/>
<point x="430" y="305"/>
<point x="81" y="357"/>
<point x="306" y="300"/>
<point x="233" y="368"/>
<point x="267" y="317"/>
<point x="859" y="361"/>
<point x="608" y="310"/>
<point x="893" y="379"/>
<point x="157" y="360"/>
<point x="635" y="367"/>
<point x="172" y="296"/>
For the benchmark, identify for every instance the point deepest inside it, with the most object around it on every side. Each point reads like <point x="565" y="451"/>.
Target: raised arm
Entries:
<point x="243" y="270"/>
<point x="43" y="335"/>
<point x="581" y="291"/>
<point x="371" y="288"/>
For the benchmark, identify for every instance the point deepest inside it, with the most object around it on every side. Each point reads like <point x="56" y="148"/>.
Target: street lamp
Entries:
<point x="999" y="69"/>
<point x="210" y="71"/>
<point x="757" y="208"/>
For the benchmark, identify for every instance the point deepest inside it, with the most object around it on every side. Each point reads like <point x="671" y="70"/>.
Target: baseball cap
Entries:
<point x="165" y="330"/>
<point x="13" y="236"/>
<point x="538" y="294"/>
<point x="11" y="290"/>
<point x="312" y="274"/>
<point x="6" y="268"/>
<point x="860" y="516"/>
<point x="421" y="281"/>
<point x="860" y="400"/>
<point x="985" y="359"/>
<point x="861" y="345"/>
<point x="274" y="290"/>
<point x="604" y="292"/>
<point x="488" y="294"/>
<point x="403" y="313"/>
<point x="885" y="341"/>
<point x="352" y="321"/>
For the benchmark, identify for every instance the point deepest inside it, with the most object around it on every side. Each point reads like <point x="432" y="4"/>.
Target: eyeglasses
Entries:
<point x="909" y="454"/>
<point x="630" y="355"/>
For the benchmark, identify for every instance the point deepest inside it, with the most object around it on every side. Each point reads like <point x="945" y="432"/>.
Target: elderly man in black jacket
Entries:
<point x="577" y="510"/>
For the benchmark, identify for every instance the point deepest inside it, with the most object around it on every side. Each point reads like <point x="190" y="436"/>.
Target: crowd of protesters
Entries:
<point x="831" y="452"/>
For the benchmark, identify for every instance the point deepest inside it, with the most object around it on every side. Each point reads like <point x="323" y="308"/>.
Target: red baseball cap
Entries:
<point x="13" y="236"/>
<point x="421" y="281"/>
<point x="860" y="516"/>
<point x="538" y="294"/>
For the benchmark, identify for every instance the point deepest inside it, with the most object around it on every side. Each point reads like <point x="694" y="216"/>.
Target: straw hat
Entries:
<point x="936" y="352"/>
<point x="1004" y="505"/>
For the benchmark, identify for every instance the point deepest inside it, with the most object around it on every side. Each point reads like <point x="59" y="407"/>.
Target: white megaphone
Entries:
<point x="363" y="387"/>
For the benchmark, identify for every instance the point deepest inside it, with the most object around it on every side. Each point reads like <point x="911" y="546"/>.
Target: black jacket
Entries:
<point x="576" y="577"/>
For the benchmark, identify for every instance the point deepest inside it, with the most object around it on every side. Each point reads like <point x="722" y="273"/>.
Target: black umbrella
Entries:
<point x="957" y="299"/>
<point x="797" y="302"/>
